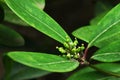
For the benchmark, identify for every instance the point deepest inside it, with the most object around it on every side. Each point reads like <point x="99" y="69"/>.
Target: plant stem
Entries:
<point x="103" y="71"/>
<point x="83" y="59"/>
<point x="85" y="54"/>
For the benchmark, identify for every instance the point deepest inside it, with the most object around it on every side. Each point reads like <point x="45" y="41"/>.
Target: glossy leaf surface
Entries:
<point x="110" y="68"/>
<point x="44" y="61"/>
<point x="107" y="57"/>
<point x="85" y="32"/>
<point x="107" y="26"/>
<point x="96" y="20"/>
<point x="106" y="31"/>
<point x="10" y="16"/>
<point x="9" y="37"/>
<point x="89" y="73"/>
<point x="109" y="53"/>
<point x="37" y="18"/>
<point x="86" y="74"/>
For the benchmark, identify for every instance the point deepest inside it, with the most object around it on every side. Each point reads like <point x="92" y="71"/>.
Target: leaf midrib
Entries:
<point x="106" y="54"/>
<point x="95" y="38"/>
<point x="50" y="63"/>
<point x="37" y="20"/>
<point x="43" y="63"/>
<point x="104" y="38"/>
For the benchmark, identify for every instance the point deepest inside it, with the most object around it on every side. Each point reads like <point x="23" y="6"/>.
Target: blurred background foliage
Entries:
<point x="70" y="14"/>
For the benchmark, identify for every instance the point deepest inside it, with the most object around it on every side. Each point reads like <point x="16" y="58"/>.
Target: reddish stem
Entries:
<point x="85" y="54"/>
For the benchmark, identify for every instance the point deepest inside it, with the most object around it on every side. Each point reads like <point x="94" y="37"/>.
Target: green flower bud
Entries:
<point x="71" y="44"/>
<point x="68" y="55"/>
<point x="75" y="42"/>
<point x="67" y="39"/>
<point x="82" y="47"/>
<point x="61" y="49"/>
<point x="66" y="45"/>
<point x="78" y="49"/>
<point x="64" y="55"/>
<point x="76" y="56"/>
<point x="74" y="50"/>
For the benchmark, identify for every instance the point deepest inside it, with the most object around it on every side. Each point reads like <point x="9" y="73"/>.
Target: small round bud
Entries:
<point x="61" y="49"/>
<point x="57" y="47"/>
<point x="76" y="56"/>
<point x="64" y="55"/>
<point x="78" y="49"/>
<point x="75" y="42"/>
<point x="66" y="45"/>
<point x="68" y="55"/>
<point x="82" y="47"/>
<point x="67" y="39"/>
<point x="71" y="44"/>
<point x="74" y="50"/>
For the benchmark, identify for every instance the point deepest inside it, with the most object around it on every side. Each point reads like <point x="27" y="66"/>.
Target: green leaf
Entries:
<point x="104" y="71"/>
<point x="85" y="32"/>
<point x="12" y="17"/>
<point x="95" y="20"/>
<point x="86" y="74"/>
<point x="40" y="3"/>
<point x="107" y="57"/>
<point x="107" y="24"/>
<point x="110" y="78"/>
<point x="29" y="73"/>
<point x="8" y="63"/>
<point x="9" y="37"/>
<point x="112" y="47"/>
<point x="21" y="72"/>
<point x="110" y="36"/>
<point x="109" y="53"/>
<point x="105" y="32"/>
<point x="44" y="61"/>
<point x="109" y="68"/>
<point x="37" y="18"/>
<point x="15" y="71"/>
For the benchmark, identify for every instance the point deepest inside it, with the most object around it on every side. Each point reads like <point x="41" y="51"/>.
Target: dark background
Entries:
<point x="70" y="14"/>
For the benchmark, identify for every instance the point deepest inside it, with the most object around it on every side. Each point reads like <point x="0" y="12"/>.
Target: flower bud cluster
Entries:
<point x="71" y="50"/>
